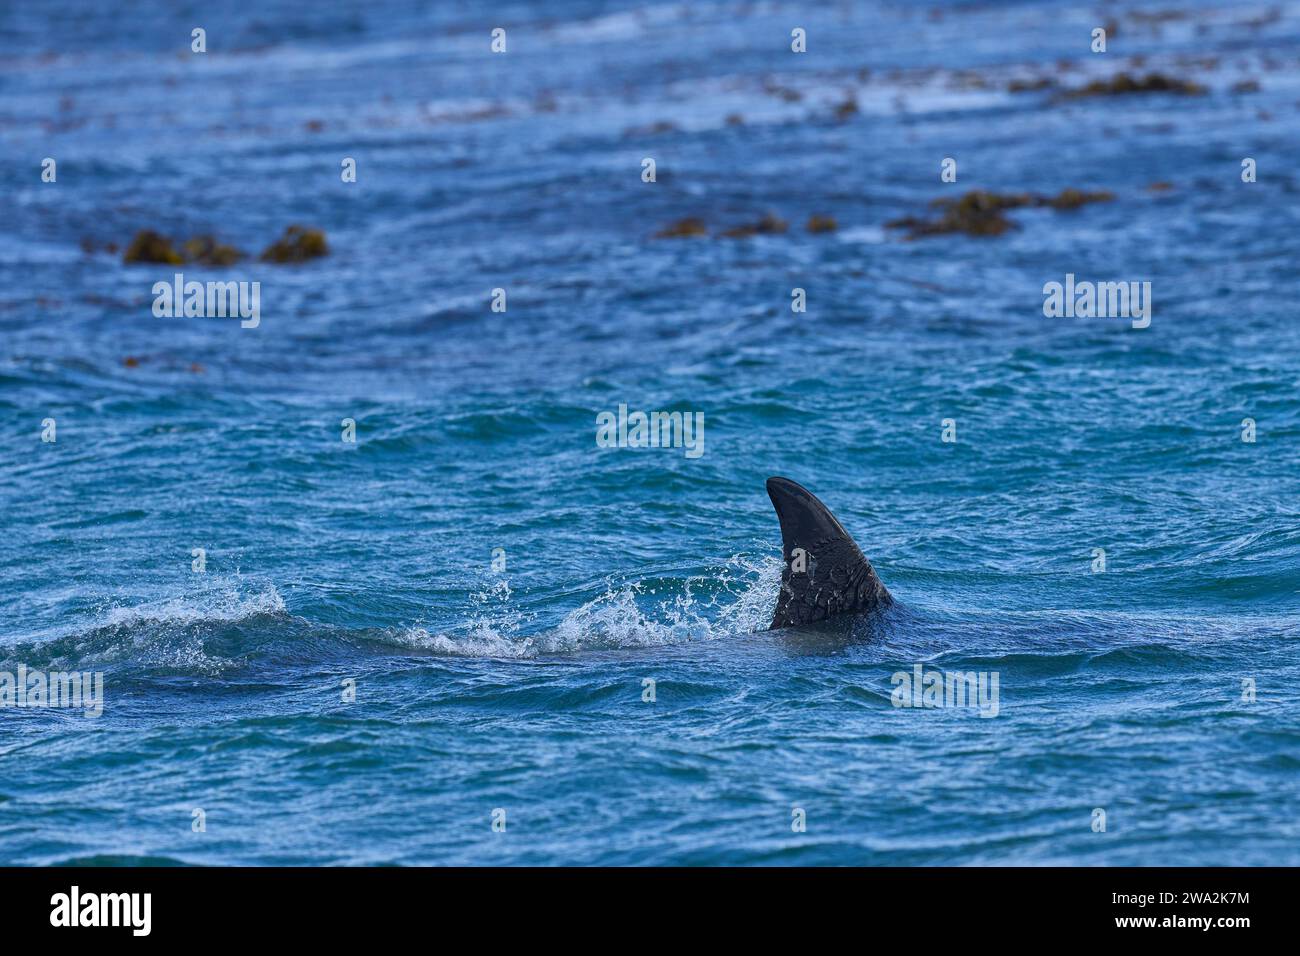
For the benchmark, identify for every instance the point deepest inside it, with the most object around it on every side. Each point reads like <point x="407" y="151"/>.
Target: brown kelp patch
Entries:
<point x="1031" y="85"/>
<point x="150" y="246"/>
<point x="769" y="225"/>
<point x="1127" y="84"/>
<point x="206" y="251"/>
<point x="298" y="244"/>
<point x="1068" y="199"/>
<point x="983" y="213"/>
<point x="683" y="228"/>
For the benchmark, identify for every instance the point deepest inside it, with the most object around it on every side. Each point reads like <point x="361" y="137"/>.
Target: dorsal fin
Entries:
<point x="825" y="573"/>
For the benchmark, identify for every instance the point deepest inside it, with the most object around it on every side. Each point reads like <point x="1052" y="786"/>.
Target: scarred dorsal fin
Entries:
<point x="825" y="573"/>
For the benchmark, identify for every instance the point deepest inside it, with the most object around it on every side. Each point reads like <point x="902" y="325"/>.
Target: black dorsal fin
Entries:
<point x="825" y="573"/>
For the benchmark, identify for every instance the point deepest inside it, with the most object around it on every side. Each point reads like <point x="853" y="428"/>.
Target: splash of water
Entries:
<point x="625" y="616"/>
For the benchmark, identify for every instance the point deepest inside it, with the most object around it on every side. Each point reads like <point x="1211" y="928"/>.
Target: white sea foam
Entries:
<point x="623" y="617"/>
<point x="180" y="647"/>
<point x="622" y="25"/>
<point x="169" y="633"/>
<point x="164" y="633"/>
<point x="225" y="602"/>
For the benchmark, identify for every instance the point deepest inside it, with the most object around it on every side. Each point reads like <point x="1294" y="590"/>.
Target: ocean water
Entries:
<point x="369" y="566"/>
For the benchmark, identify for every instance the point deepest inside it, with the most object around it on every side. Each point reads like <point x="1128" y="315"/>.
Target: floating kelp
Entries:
<point x="135" y="361"/>
<point x="206" y="251"/>
<point x="660" y="128"/>
<point x="90" y="246"/>
<point x="150" y="246"/>
<point x="1123" y="84"/>
<point x="769" y="225"/>
<point x="788" y="94"/>
<point x="682" y="229"/>
<point x="978" y="213"/>
<point x="981" y="213"/>
<point x="1074" y="198"/>
<point x="1035" y="85"/>
<point x="298" y="244"/>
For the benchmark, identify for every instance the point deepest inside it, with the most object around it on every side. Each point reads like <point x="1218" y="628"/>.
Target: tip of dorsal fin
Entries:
<point x="825" y="572"/>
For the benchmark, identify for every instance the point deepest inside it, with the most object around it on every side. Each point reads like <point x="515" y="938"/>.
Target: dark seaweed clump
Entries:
<point x="1034" y="85"/>
<point x="846" y="108"/>
<point x="1074" y="198"/>
<point x="205" y="250"/>
<point x="150" y="246"/>
<point x="298" y="244"/>
<point x="771" y="224"/>
<point x="982" y="213"/>
<point x="683" y="228"/>
<point x="1123" y="84"/>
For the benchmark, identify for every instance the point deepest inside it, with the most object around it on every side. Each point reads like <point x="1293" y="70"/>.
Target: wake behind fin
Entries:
<point x="825" y="573"/>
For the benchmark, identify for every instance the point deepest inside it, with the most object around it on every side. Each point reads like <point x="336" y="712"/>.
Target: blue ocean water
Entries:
<point x="520" y="688"/>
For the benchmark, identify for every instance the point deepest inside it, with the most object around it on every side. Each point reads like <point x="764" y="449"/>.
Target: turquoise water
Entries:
<point x="521" y="688"/>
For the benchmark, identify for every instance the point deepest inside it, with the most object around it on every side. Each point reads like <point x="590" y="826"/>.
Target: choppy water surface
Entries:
<point x="522" y="689"/>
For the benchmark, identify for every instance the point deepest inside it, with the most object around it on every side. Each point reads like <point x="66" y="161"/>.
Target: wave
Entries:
<point x="117" y="859"/>
<point x="623" y="617"/>
<point x="224" y="604"/>
<point x="233" y="627"/>
<point x="172" y="635"/>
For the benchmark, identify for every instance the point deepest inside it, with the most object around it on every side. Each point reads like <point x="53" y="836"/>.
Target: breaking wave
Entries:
<point x="634" y="615"/>
<point x="178" y="634"/>
<point x="232" y="627"/>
